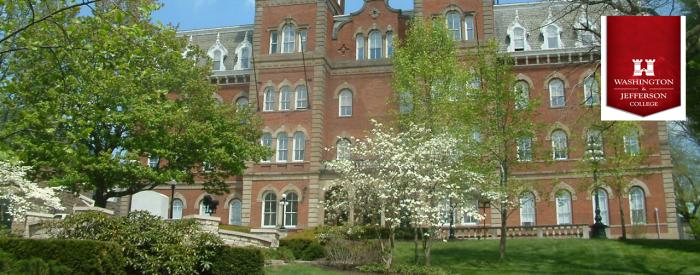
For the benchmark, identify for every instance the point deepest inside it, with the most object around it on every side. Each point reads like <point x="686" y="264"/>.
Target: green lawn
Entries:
<point x="546" y="256"/>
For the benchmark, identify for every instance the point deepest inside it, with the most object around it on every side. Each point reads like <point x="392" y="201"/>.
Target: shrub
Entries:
<point x="303" y="249"/>
<point x="402" y="269"/>
<point x="352" y="253"/>
<point x="238" y="260"/>
<point x="151" y="245"/>
<point x="281" y="253"/>
<point x="695" y="226"/>
<point x="81" y="256"/>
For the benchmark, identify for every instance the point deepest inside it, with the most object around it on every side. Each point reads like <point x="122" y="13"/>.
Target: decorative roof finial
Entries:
<point x="218" y="36"/>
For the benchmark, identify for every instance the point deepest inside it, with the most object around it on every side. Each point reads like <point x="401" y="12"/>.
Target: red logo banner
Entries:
<point x="643" y="63"/>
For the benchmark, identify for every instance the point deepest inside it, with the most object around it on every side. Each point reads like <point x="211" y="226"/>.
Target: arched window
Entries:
<point x="518" y="39"/>
<point x="375" y="45"/>
<point x="345" y="103"/>
<point x="282" y="147"/>
<point x="524" y="149"/>
<point x="218" y="61"/>
<point x="603" y="205"/>
<point x="551" y="37"/>
<point x="269" y="209"/>
<point x="245" y="58"/>
<point x="527" y="209"/>
<point x="299" y="144"/>
<point x="522" y="93"/>
<point x="285" y="98"/>
<point x="302" y="97"/>
<point x="235" y="212"/>
<point x="591" y="96"/>
<point x="631" y="141"/>
<point x="288" y="38"/>
<point x="242" y="102"/>
<point x="556" y="93"/>
<point x="389" y="44"/>
<point x="563" y="207"/>
<point x="594" y="143"/>
<point x="559" y="145"/>
<point x="266" y="141"/>
<point x="342" y="149"/>
<point x="291" y="210"/>
<point x="360" y="47"/>
<point x="637" y="205"/>
<point x="204" y="209"/>
<point x="469" y="26"/>
<point x="269" y="98"/>
<point x="454" y="25"/>
<point x="177" y="209"/>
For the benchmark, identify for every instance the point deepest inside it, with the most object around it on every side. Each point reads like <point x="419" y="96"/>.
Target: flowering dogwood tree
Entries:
<point x="406" y="176"/>
<point x="21" y="194"/>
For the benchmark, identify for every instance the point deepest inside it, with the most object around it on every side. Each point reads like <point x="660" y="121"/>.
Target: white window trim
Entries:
<point x="296" y="98"/>
<point x="570" y="204"/>
<point x="588" y="91"/>
<point x="644" y="205"/>
<point x="262" y="142"/>
<point x="230" y="210"/>
<point x="369" y="45"/>
<point x="262" y="217"/>
<point x="360" y="37"/>
<point x="277" y="149"/>
<point x="534" y="207"/>
<point x="271" y="91"/>
<point x="182" y="208"/>
<point x="511" y="34"/>
<point x="284" y="213"/>
<point x="543" y="31"/>
<point x="218" y="47"/>
<point x="389" y="43"/>
<point x="277" y="44"/>
<point x="289" y="89"/>
<point x="517" y="148"/>
<point x="284" y="39"/>
<point x="551" y="95"/>
<point x="466" y="28"/>
<point x="239" y="52"/>
<point x="554" y="148"/>
<point x="340" y="103"/>
<point x="459" y="24"/>
<point x="302" y="43"/>
<point x="296" y="146"/>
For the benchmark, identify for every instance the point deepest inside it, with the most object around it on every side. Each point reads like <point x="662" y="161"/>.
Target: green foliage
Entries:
<point x="402" y="269"/>
<point x="304" y="249"/>
<point x="362" y="232"/>
<point x="691" y="9"/>
<point x="238" y="228"/>
<point x="695" y="226"/>
<point x="57" y="256"/>
<point x="151" y="245"/>
<point x="87" y="107"/>
<point x="281" y="253"/>
<point x="342" y="252"/>
<point x="238" y="260"/>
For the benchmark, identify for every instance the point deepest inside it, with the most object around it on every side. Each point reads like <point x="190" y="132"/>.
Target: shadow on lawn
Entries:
<point x="678" y="245"/>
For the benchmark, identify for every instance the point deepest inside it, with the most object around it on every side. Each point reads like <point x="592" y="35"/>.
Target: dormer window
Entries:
<point x="518" y="39"/>
<point x="454" y="25"/>
<point x="517" y="36"/>
<point x="245" y="58"/>
<point x="551" y="36"/>
<point x="584" y="30"/>
<point x="218" y="59"/>
<point x="217" y="53"/>
<point x="243" y="52"/>
<point x="288" y="39"/>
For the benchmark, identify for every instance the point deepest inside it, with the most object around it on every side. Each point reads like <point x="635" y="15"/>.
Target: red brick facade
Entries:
<point x="329" y="66"/>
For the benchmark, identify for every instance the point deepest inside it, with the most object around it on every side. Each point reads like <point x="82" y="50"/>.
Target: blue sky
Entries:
<point x="197" y="14"/>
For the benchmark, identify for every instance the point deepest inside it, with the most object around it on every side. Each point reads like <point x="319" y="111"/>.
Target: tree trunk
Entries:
<point x="427" y="245"/>
<point x="415" y="242"/>
<point x="100" y="198"/>
<point x="390" y="258"/>
<point x="504" y="230"/>
<point x="622" y="217"/>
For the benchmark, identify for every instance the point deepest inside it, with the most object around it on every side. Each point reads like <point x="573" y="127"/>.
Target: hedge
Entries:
<point x="81" y="256"/>
<point x="304" y="249"/>
<point x="238" y="260"/>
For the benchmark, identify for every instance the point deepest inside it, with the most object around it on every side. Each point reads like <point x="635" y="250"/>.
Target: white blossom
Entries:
<point x="24" y="195"/>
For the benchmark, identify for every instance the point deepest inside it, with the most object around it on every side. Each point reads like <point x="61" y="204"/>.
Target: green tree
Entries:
<point x="118" y="91"/>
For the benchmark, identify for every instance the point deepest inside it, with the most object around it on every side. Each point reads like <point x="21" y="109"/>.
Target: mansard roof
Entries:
<point x="229" y="37"/>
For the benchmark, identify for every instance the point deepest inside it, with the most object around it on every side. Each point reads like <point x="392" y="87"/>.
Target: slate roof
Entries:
<point x="229" y="37"/>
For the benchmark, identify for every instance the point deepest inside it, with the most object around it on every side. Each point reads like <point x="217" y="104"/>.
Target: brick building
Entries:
<point x="317" y="75"/>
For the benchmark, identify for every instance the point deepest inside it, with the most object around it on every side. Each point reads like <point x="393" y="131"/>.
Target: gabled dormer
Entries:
<point x="517" y="35"/>
<point x="585" y="29"/>
<point x="243" y="54"/>
<point x="218" y="53"/>
<point x="551" y="33"/>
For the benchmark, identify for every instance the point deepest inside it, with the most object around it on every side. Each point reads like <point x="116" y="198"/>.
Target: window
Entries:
<point x="204" y="209"/>
<point x="587" y="38"/>
<point x="342" y="149"/>
<point x="207" y="167"/>
<point x="559" y="145"/>
<point x="177" y="209"/>
<point x="522" y="93"/>
<point x="345" y="101"/>
<point x="302" y="40"/>
<point x="375" y="45"/>
<point x="518" y="39"/>
<point x="242" y="102"/>
<point x="245" y="58"/>
<point x="266" y="141"/>
<point x="269" y="210"/>
<point x="291" y="209"/>
<point x="153" y="161"/>
<point x="454" y="25"/>
<point x="551" y="37"/>
<point x="302" y="97"/>
<point x="273" y="42"/>
<point x="218" y="61"/>
<point x="288" y="37"/>
<point x="594" y="143"/>
<point x="637" y="208"/>
<point x="285" y="98"/>
<point x="556" y="93"/>
<point x="469" y="26"/>
<point x="631" y="141"/>
<point x="590" y="91"/>
<point x="282" y="147"/>
<point x="527" y="209"/>
<point x="389" y="44"/>
<point x="468" y="215"/>
<point x="360" y="45"/>
<point x="603" y="205"/>
<point x="525" y="149"/>
<point x="269" y="98"/>
<point x="563" y="207"/>
<point x="235" y="212"/>
<point x="299" y="144"/>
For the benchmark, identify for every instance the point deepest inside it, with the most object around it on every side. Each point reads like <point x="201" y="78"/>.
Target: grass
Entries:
<point x="550" y="256"/>
<point x="238" y="228"/>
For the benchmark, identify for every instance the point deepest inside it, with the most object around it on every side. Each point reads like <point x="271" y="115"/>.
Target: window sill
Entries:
<point x="285" y="111"/>
<point x="557" y="107"/>
<point x="345" y="116"/>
